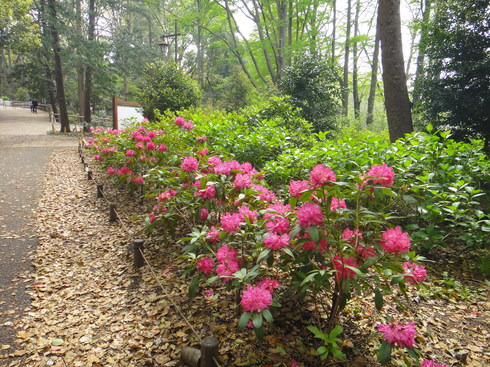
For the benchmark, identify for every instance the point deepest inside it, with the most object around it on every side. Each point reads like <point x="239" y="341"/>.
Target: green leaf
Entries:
<point x="57" y="342"/>
<point x="267" y="315"/>
<point x="337" y="330"/>
<point x="414" y="353"/>
<point x="257" y="320"/>
<point x="259" y="332"/>
<point x="194" y="286"/>
<point x="397" y="279"/>
<point x="378" y="299"/>
<point x="263" y="254"/>
<point x="309" y="277"/>
<point x="315" y="236"/>
<point x="338" y="354"/>
<point x="318" y="334"/>
<point x="242" y="323"/>
<point x="384" y="353"/>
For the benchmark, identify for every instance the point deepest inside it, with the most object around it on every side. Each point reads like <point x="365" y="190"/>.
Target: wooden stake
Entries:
<point x="89" y="174"/>
<point x="112" y="213"/>
<point x="139" y="261"/>
<point x="190" y="356"/>
<point x="209" y="351"/>
<point x="100" y="191"/>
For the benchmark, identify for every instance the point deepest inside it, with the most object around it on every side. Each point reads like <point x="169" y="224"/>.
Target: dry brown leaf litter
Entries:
<point x="90" y="307"/>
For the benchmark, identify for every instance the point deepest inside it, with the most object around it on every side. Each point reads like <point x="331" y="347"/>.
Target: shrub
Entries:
<point x="164" y="87"/>
<point x="312" y="86"/>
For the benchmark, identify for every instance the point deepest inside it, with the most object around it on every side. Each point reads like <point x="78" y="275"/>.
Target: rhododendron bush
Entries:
<point x="330" y="236"/>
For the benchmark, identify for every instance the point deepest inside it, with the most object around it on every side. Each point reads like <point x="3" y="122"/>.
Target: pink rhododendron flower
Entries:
<point x="231" y="222"/>
<point x="269" y="284"/>
<point x="226" y="253"/>
<point x="402" y="336"/>
<point x="97" y="157"/>
<point x="255" y="299"/>
<point x="226" y="270"/>
<point x="130" y="153"/>
<point x="337" y="203"/>
<point x="189" y="164"/>
<point x="250" y="214"/>
<point x="312" y="246"/>
<point x="294" y="363"/>
<point x="188" y="125"/>
<point x="145" y="120"/>
<point x="140" y="145"/>
<point x="276" y="242"/>
<point x="427" y="363"/>
<point x="204" y="214"/>
<point x="296" y="188"/>
<point x="213" y="161"/>
<point x="276" y="220"/>
<point x="418" y="272"/>
<point x="352" y="236"/>
<point x="366" y="252"/>
<point x="208" y="193"/>
<point x="342" y="271"/>
<point x="321" y="175"/>
<point x="309" y="215"/>
<point x="166" y="195"/>
<point x="150" y="146"/>
<point x="152" y="134"/>
<point x="111" y="170"/>
<point x="208" y="293"/>
<point x="179" y="121"/>
<point x="124" y="171"/>
<point x="203" y="152"/>
<point x="138" y="180"/>
<point x="205" y="265"/>
<point x="385" y="176"/>
<point x="152" y="217"/>
<point x="213" y="235"/>
<point x="201" y="139"/>
<point x="162" y="148"/>
<point x="394" y="241"/>
<point x="242" y="181"/>
<point x="264" y="193"/>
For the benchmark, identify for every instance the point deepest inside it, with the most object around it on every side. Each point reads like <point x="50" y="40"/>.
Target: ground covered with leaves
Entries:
<point x="92" y="307"/>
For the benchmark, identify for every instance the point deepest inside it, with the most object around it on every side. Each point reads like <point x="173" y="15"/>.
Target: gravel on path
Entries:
<point x="25" y="147"/>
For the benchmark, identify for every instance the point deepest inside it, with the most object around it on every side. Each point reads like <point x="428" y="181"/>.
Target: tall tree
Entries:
<point x="345" y="80"/>
<point x="58" y="69"/>
<point x="355" y="58"/>
<point x="374" y="77"/>
<point x="397" y="104"/>
<point x="88" y="68"/>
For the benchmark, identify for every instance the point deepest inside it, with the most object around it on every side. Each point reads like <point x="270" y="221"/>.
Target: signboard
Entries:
<point x="125" y="112"/>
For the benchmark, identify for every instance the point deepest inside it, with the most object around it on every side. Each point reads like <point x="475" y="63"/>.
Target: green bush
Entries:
<point x="443" y="186"/>
<point x="312" y="86"/>
<point x="165" y="87"/>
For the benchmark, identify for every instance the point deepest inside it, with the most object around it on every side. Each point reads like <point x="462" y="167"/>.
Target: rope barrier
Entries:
<point x="101" y="193"/>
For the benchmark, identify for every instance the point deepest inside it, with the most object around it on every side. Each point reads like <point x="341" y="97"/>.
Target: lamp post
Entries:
<point x="164" y="45"/>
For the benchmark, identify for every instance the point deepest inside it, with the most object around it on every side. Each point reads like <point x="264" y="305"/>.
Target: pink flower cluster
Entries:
<point x="417" y="272"/>
<point x="343" y="272"/>
<point x="205" y="265"/>
<point x="428" y="363"/>
<point x="309" y="215"/>
<point x="276" y="242"/>
<point x="228" y="262"/>
<point x="276" y="218"/>
<point x="400" y="335"/>
<point x="394" y="241"/>
<point x="379" y="175"/>
<point x="231" y="222"/>
<point x="321" y="175"/>
<point x="256" y="299"/>
<point x="189" y="164"/>
<point x="187" y="125"/>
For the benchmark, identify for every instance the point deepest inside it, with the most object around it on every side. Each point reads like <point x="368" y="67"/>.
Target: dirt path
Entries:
<point x="24" y="150"/>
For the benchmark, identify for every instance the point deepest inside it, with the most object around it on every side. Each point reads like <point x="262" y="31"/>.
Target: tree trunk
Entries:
<point x="374" y="77"/>
<point x="345" y="80"/>
<point x="397" y="104"/>
<point x="355" y="57"/>
<point x="58" y="70"/>
<point x="80" y="68"/>
<point x="334" y="27"/>
<point x="421" y="52"/>
<point x="282" y="12"/>
<point x="88" y="69"/>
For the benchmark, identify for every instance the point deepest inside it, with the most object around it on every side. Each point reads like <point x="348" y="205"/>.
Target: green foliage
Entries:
<point x="164" y="87"/>
<point x="21" y="95"/>
<point x="312" y="86"/>
<point x="455" y="91"/>
<point x="443" y="185"/>
<point x="330" y="342"/>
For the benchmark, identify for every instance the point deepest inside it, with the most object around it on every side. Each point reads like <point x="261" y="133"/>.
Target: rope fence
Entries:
<point x="207" y="356"/>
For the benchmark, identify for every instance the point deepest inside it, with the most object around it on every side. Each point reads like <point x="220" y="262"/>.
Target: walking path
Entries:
<point x="24" y="150"/>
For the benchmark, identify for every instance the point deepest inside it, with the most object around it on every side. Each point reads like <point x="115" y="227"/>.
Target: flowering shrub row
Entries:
<point x="330" y="235"/>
